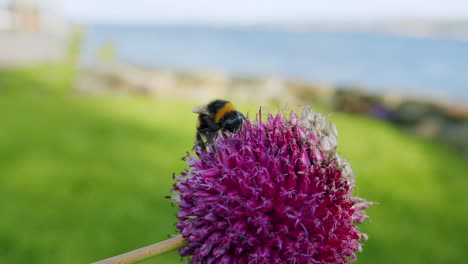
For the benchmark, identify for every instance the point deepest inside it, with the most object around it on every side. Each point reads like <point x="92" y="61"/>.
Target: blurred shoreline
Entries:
<point x="377" y="61"/>
<point x="448" y="29"/>
<point x="429" y="118"/>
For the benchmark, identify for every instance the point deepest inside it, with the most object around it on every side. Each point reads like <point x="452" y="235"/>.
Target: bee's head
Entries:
<point x="232" y="121"/>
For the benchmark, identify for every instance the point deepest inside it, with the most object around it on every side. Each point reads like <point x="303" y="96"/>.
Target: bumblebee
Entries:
<point x="218" y="115"/>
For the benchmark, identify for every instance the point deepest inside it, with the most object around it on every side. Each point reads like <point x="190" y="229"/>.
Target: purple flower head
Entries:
<point x="274" y="192"/>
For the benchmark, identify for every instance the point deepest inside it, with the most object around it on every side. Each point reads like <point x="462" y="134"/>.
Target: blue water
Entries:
<point x="378" y="62"/>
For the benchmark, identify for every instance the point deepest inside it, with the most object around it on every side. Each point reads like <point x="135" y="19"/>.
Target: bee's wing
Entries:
<point x="202" y="109"/>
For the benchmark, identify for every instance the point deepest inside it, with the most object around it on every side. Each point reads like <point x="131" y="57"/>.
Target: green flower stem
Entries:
<point x="146" y="252"/>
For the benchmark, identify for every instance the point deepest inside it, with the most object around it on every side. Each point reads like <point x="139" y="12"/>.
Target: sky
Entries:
<point x="257" y="11"/>
<point x="254" y="11"/>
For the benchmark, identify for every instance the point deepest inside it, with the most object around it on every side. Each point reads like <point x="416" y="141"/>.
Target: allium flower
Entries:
<point x="275" y="192"/>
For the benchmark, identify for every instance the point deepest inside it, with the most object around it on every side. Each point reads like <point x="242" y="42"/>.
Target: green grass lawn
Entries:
<point x="82" y="179"/>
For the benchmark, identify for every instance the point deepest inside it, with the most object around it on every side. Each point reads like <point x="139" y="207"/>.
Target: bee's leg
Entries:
<point x="243" y="117"/>
<point x="210" y="137"/>
<point x="200" y="142"/>
<point x="223" y="133"/>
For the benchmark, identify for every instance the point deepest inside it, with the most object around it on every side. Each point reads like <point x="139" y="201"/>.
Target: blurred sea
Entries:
<point x="432" y="67"/>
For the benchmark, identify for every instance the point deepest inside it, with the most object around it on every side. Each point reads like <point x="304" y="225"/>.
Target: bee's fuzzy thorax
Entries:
<point x="226" y="108"/>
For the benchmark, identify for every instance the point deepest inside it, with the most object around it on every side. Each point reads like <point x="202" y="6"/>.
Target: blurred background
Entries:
<point x="96" y="99"/>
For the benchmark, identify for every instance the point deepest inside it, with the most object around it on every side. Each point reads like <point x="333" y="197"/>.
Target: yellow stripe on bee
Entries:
<point x="228" y="107"/>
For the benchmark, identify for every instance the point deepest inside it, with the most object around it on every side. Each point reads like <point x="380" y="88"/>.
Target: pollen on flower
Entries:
<point x="274" y="192"/>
